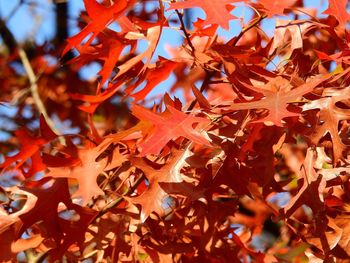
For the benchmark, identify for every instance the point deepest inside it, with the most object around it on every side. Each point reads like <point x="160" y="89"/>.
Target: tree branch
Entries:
<point x="61" y="22"/>
<point x="34" y="88"/>
<point x="183" y="28"/>
<point x="12" y="44"/>
<point x="7" y="36"/>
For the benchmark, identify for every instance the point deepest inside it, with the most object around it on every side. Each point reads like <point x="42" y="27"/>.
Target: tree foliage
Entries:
<point x="249" y="164"/>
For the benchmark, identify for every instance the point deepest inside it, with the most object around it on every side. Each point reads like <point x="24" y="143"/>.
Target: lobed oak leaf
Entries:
<point x="337" y="8"/>
<point x="152" y="36"/>
<point x="330" y="238"/>
<point x="153" y="76"/>
<point x="41" y="206"/>
<point x="272" y="7"/>
<point x="169" y="125"/>
<point x="101" y="17"/>
<point x="216" y="10"/>
<point x="277" y="95"/>
<point x="311" y="192"/>
<point x="329" y="117"/>
<point x="294" y="29"/>
<point x="45" y="206"/>
<point x="107" y="51"/>
<point x="343" y="245"/>
<point x="75" y="231"/>
<point x="87" y="171"/>
<point x="202" y="30"/>
<point x="152" y="199"/>
<point x="30" y="149"/>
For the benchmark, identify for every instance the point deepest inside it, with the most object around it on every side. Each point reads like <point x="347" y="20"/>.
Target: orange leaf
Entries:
<point x="101" y="17"/>
<point x="337" y="8"/>
<point x="170" y="125"/>
<point x="87" y="171"/>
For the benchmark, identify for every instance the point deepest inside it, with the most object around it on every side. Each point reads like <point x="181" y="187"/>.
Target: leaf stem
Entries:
<point x="117" y="201"/>
<point x="244" y="30"/>
<point x="183" y="28"/>
<point x="208" y="76"/>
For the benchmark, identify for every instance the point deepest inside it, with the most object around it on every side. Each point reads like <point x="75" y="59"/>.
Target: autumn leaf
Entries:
<point x="331" y="115"/>
<point x="101" y="17"/>
<point x="108" y="56"/>
<point x="87" y="171"/>
<point x="337" y="8"/>
<point x="241" y="154"/>
<point x="328" y="240"/>
<point x="30" y="149"/>
<point x="153" y="198"/>
<point x="275" y="7"/>
<point x="153" y="76"/>
<point x="10" y="245"/>
<point x="216" y="10"/>
<point x="91" y="102"/>
<point x="311" y="192"/>
<point x="277" y="95"/>
<point x="338" y="57"/>
<point x="167" y="126"/>
<point x="292" y="29"/>
<point x="152" y="36"/>
<point x="45" y="207"/>
<point x="75" y="231"/>
<point x="13" y="219"/>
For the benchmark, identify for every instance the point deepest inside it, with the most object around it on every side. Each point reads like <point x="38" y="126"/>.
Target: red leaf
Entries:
<point x="152" y="36"/>
<point x="167" y="126"/>
<point x="101" y="17"/>
<point x="45" y="207"/>
<point x="311" y="192"/>
<point x="30" y="147"/>
<point x="216" y="10"/>
<point x="202" y="101"/>
<point x="45" y="130"/>
<point x="272" y="7"/>
<point x="87" y="171"/>
<point x="337" y="8"/>
<point x="153" y="76"/>
<point x="152" y="199"/>
<point x="277" y="97"/>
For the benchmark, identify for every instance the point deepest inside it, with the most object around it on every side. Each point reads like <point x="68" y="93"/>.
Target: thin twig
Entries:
<point x="13" y="11"/>
<point x="12" y="44"/>
<point x="34" y="89"/>
<point x="117" y="201"/>
<point x="183" y="28"/>
<point x="244" y="30"/>
<point x="208" y="76"/>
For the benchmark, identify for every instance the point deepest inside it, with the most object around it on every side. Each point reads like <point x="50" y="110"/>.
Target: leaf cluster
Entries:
<point x="250" y="164"/>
